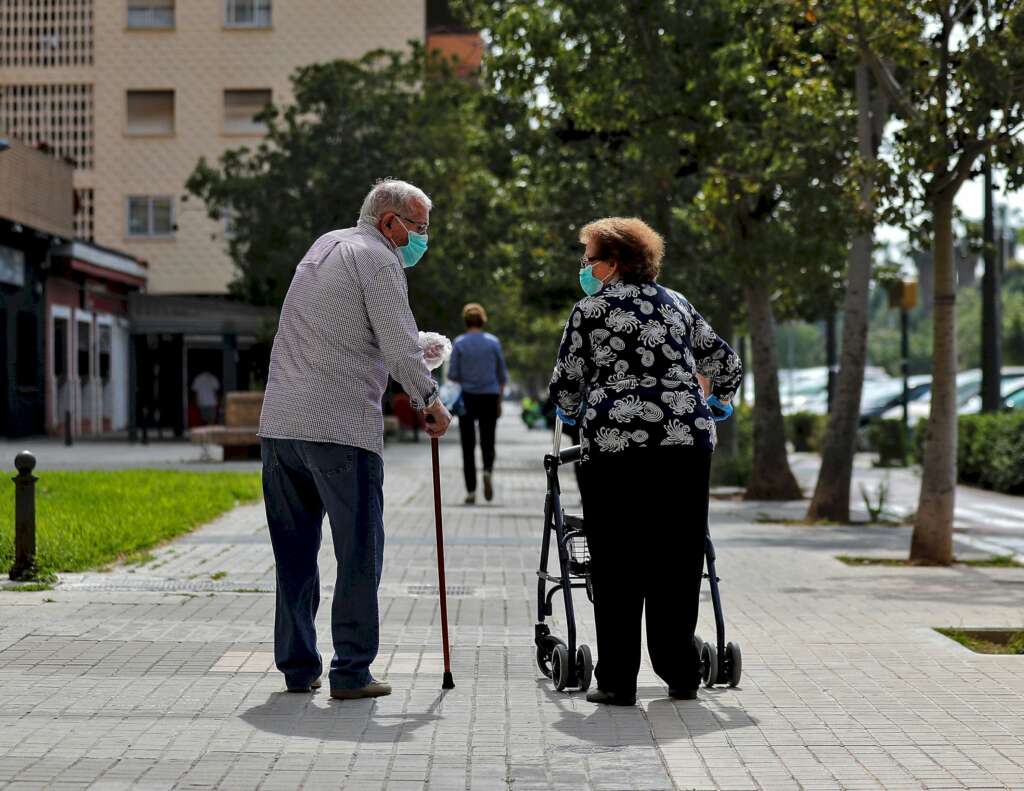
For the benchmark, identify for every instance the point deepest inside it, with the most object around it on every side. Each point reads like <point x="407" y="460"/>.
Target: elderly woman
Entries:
<point x="628" y="371"/>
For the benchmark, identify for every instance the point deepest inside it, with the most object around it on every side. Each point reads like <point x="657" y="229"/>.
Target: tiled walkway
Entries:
<point x="161" y="676"/>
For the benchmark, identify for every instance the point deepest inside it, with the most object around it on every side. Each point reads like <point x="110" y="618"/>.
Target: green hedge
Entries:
<point x="806" y="430"/>
<point x="728" y="469"/>
<point x="888" y="438"/>
<point x="989" y="452"/>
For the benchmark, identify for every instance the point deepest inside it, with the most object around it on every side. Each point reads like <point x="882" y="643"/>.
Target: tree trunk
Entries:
<point x="933" y="526"/>
<point x="831" y="498"/>
<point x="771" y="478"/>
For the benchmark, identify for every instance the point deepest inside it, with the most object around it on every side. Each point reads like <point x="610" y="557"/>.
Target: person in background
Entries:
<point x="206" y="386"/>
<point x="478" y="367"/>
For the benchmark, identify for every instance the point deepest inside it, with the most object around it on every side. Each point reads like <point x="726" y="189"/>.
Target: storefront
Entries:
<point x="88" y="340"/>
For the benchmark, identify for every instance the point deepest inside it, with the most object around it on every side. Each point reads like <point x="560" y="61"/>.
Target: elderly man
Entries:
<point x="345" y="325"/>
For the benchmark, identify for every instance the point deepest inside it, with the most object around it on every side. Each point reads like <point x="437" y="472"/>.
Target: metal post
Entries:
<point x="67" y="428"/>
<point x="24" y="517"/>
<point x="991" y="320"/>
<point x="905" y="363"/>
<point x="145" y="425"/>
<point x="831" y="357"/>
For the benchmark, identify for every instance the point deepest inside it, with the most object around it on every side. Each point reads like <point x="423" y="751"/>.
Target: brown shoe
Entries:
<point x="374" y="689"/>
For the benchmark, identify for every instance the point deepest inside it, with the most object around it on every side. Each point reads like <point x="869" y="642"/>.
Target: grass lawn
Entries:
<point x="1009" y="642"/>
<point x="90" y="518"/>
<point x="996" y="561"/>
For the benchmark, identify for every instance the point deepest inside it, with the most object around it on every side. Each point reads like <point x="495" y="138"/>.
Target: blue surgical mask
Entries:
<point x="589" y="282"/>
<point x="412" y="251"/>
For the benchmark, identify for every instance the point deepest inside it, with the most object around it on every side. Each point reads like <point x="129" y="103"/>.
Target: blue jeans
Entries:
<point x="302" y="481"/>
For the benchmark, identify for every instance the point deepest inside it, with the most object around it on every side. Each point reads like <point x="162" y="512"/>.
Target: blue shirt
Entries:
<point x="477" y="364"/>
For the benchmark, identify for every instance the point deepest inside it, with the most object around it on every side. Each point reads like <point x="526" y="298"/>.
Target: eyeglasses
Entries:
<point x="419" y="227"/>
<point x="586" y="261"/>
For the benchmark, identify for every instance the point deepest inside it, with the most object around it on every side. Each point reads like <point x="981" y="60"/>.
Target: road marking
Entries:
<point x="999" y="509"/>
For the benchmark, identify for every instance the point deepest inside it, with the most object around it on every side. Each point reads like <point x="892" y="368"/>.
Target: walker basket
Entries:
<point x="576" y="545"/>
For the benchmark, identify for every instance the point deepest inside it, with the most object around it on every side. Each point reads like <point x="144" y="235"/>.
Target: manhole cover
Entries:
<point x="433" y="590"/>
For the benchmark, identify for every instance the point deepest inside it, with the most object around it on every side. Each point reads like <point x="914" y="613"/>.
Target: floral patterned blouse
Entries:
<point x="628" y="365"/>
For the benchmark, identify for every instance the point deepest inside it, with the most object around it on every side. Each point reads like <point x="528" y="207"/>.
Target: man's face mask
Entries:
<point x="412" y="251"/>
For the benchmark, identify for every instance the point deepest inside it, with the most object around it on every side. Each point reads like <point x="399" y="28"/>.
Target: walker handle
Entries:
<point x="720" y="410"/>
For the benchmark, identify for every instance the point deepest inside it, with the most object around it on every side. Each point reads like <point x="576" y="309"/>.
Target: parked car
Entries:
<point x="968" y="384"/>
<point x="1015" y="400"/>
<point x="1009" y="387"/>
<point x="879" y="399"/>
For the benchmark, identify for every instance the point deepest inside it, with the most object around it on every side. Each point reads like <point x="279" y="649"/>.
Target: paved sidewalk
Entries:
<point x="161" y="676"/>
<point x="987" y="521"/>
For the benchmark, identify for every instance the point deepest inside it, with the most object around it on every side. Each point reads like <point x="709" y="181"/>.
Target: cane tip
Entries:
<point x="448" y="682"/>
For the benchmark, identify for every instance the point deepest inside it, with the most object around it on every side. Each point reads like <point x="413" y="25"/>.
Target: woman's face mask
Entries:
<point x="589" y="282"/>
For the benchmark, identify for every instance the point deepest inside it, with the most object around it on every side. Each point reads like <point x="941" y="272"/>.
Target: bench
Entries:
<point x="238" y="436"/>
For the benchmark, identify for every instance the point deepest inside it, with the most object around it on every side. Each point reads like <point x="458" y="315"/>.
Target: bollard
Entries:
<point x="145" y="425"/>
<point x="67" y="428"/>
<point x="24" y="517"/>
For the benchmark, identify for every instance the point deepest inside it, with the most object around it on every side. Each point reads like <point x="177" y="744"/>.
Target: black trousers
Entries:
<point x="482" y="409"/>
<point x="645" y="516"/>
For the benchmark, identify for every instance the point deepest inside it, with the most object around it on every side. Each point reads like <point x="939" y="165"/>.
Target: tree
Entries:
<point x="716" y="121"/>
<point x="352" y="122"/>
<point x="953" y="76"/>
<point x="831" y="499"/>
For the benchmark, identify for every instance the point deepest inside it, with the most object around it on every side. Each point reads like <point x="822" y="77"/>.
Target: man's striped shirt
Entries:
<point x="345" y="325"/>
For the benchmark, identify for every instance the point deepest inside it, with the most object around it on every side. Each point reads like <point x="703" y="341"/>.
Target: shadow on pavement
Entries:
<point x="321" y="717"/>
<point x="614" y="726"/>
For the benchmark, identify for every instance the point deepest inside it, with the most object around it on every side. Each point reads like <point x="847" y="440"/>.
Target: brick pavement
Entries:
<point x="160" y="676"/>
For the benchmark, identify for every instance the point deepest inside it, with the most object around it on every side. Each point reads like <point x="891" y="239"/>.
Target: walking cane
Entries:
<point x="447" y="682"/>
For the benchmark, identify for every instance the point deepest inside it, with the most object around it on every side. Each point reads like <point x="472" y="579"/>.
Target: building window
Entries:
<point x="150" y="215"/>
<point x="247" y="13"/>
<point x="12" y="266"/>
<point x="84" y="349"/>
<point x="229" y="215"/>
<point x="241" y="109"/>
<point x="150" y="112"/>
<point x="60" y="348"/>
<point x="150" y="14"/>
<point x="104" y="351"/>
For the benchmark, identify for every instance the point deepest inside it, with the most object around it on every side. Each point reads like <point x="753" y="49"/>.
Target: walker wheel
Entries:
<point x="560" y="666"/>
<point x="544" y="654"/>
<point x="584" y="667"/>
<point x="709" y="664"/>
<point x="733" y="663"/>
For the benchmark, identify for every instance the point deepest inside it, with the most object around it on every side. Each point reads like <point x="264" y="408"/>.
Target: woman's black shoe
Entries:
<point x="610" y="698"/>
<point x="682" y="694"/>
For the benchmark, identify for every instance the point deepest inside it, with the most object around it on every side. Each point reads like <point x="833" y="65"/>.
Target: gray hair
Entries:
<point x="391" y="195"/>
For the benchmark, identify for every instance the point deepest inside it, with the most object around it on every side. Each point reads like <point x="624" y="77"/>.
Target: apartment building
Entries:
<point x="134" y="92"/>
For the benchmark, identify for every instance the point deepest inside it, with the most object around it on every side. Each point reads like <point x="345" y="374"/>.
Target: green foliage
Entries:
<point x="87" y="519"/>
<point x="351" y="123"/>
<point x="888" y="438"/>
<point x="990" y="451"/>
<point x="806" y="430"/>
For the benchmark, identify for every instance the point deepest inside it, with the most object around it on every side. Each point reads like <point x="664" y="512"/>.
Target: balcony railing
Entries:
<point x="150" y="17"/>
